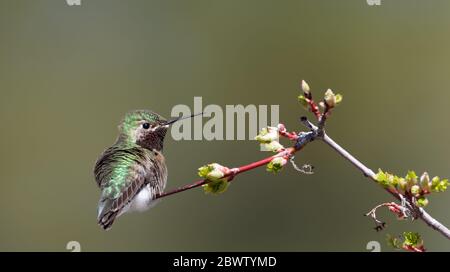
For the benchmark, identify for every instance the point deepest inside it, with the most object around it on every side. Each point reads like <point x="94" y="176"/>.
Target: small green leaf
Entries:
<point x="216" y="187"/>
<point x="394" y="241"/>
<point x="412" y="239"/>
<point x="395" y="181"/>
<point x="380" y="176"/>
<point x="276" y="165"/>
<point x="303" y="101"/>
<point x="339" y="98"/>
<point x="205" y="170"/>
<point x="438" y="185"/>
<point x="435" y="181"/>
<point x="212" y="171"/>
<point x="387" y="180"/>
<point x="411" y="177"/>
<point x="422" y="201"/>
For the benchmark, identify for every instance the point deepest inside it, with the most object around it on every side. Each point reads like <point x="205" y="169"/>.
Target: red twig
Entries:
<point x="413" y="248"/>
<point x="284" y="153"/>
<point x="283" y="132"/>
<point x="314" y="108"/>
<point x="233" y="172"/>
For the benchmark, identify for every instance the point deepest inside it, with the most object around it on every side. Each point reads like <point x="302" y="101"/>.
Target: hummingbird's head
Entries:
<point x="144" y="128"/>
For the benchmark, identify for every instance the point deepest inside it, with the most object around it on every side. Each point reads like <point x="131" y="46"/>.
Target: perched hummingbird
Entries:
<point x="133" y="171"/>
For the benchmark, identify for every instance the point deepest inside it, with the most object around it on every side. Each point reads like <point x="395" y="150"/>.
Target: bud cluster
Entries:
<point x="410" y="241"/>
<point x="276" y="164"/>
<point x="268" y="139"/>
<point x="412" y="185"/>
<point x="329" y="101"/>
<point x="216" y="174"/>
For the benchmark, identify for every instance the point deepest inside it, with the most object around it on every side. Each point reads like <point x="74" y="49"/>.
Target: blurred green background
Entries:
<point x="68" y="74"/>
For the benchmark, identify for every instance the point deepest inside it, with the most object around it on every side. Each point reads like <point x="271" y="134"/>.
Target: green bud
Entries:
<point x="415" y="190"/>
<point x="273" y="146"/>
<point x="435" y="181"/>
<point x="402" y="185"/>
<point x="393" y="241"/>
<point x="212" y="171"/>
<point x="411" y="180"/>
<point x="380" y="176"/>
<point x="303" y="101"/>
<point x="267" y="135"/>
<point x="438" y="185"/>
<point x="215" y="174"/>
<point x="330" y="98"/>
<point x="444" y="184"/>
<point x="305" y="87"/>
<point x="216" y="187"/>
<point x="339" y="98"/>
<point x="276" y="164"/>
<point x="422" y="201"/>
<point x="411" y="177"/>
<point x="425" y="182"/>
<point x="205" y="170"/>
<point x="412" y="239"/>
<point x="395" y="181"/>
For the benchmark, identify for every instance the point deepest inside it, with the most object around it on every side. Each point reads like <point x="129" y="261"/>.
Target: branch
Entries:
<point x="420" y="212"/>
<point x="232" y="172"/>
<point x="409" y="202"/>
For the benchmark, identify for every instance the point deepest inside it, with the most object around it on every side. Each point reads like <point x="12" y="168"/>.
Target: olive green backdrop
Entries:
<point x="68" y="74"/>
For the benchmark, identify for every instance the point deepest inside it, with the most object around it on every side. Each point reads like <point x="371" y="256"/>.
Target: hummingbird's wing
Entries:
<point x="121" y="174"/>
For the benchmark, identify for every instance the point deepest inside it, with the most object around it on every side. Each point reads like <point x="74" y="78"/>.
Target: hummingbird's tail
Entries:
<point x="106" y="215"/>
<point x="107" y="220"/>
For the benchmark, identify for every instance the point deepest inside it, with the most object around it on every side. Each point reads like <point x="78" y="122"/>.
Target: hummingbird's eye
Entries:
<point x="146" y="125"/>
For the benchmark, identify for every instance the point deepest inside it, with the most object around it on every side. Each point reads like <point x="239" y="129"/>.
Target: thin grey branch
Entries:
<point x="421" y="213"/>
<point x="418" y="212"/>
<point x="364" y="169"/>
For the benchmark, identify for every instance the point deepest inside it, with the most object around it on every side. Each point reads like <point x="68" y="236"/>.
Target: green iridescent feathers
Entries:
<point x="131" y="121"/>
<point x="114" y="168"/>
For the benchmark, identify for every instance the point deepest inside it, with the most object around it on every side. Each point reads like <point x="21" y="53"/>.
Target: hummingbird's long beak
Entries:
<point x="169" y="122"/>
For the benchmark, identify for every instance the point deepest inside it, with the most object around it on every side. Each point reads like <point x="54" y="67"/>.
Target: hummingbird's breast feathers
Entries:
<point x="118" y="165"/>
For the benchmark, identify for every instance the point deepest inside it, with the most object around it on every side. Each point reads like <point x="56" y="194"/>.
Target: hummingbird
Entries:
<point x="132" y="172"/>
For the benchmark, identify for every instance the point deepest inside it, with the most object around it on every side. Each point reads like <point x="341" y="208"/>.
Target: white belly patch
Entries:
<point x="142" y="201"/>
